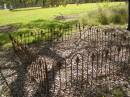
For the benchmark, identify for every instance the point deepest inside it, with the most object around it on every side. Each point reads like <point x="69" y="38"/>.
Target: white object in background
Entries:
<point x="5" y="6"/>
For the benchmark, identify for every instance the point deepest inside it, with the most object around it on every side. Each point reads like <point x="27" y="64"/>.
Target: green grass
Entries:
<point x="29" y="32"/>
<point x="26" y="15"/>
<point x="31" y="19"/>
<point x="4" y="40"/>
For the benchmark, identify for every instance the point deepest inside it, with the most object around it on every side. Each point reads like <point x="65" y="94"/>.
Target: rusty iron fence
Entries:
<point x="48" y="35"/>
<point x="91" y="63"/>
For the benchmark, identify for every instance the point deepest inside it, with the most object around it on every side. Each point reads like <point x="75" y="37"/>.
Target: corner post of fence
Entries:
<point x="80" y="30"/>
<point x="46" y="80"/>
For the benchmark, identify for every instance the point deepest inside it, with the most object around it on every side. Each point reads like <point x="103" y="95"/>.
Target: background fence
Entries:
<point x="49" y="34"/>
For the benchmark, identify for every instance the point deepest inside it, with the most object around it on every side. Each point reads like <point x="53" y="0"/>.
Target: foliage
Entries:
<point x="107" y="15"/>
<point x="102" y="18"/>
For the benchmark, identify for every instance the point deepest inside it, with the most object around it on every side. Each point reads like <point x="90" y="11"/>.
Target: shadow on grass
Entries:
<point x="47" y="26"/>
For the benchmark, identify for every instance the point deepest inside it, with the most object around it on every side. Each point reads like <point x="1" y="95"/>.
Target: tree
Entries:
<point x="44" y="3"/>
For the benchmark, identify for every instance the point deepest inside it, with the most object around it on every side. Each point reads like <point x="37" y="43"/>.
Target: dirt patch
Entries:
<point x="66" y="17"/>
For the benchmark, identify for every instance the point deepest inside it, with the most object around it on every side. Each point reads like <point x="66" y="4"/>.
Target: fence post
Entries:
<point x="46" y="80"/>
<point x="80" y="30"/>
<point x="77" y="63"/>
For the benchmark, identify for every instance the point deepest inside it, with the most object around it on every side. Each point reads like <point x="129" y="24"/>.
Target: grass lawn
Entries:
<point x="26" y="15"/>
<point x="28" y="19"/>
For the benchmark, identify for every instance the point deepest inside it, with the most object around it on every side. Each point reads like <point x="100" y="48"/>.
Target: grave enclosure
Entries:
<point x="89" y="63"/>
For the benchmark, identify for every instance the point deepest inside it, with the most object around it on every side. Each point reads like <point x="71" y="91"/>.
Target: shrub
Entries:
<point x="89" y="18"/>
<point x="102" y="17"/>
<point x="119" y="16"/>
<point x="106" y="15"/>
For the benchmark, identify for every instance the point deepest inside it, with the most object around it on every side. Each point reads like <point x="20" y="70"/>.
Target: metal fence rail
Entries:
<point x="98" y="61"/>
<point x="48" y="35"/>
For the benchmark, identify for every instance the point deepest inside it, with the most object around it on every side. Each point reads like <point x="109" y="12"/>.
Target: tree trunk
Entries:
<point x="43" y="3"/>
<point x="128" y="15"/>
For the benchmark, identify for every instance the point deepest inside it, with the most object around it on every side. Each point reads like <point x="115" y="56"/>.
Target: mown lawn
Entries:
<point x="26" y="15"/>
<point x="30" y="19"/>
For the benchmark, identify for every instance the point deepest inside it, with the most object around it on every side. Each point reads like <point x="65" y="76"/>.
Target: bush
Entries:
<point x="89" y="18"/>
<point x="102" y="17"/>
<point x="116" y="19"/>
<point x="106" y="15"/>
<point x="119" y="16"/>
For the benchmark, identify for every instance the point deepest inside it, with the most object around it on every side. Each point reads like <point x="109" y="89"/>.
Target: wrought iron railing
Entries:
<point x="90" y="64"/>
